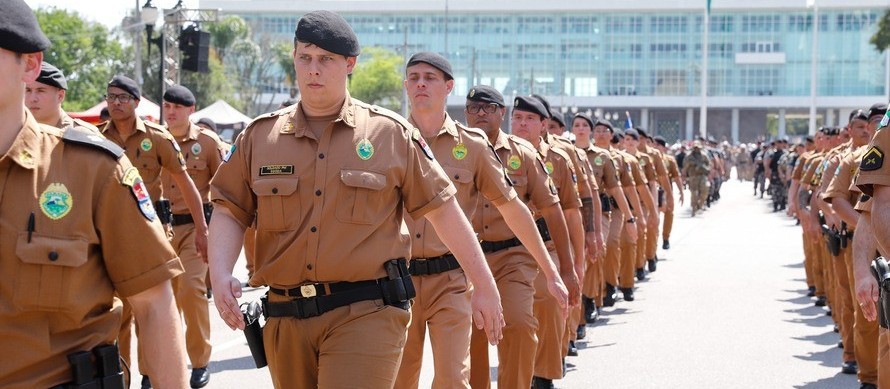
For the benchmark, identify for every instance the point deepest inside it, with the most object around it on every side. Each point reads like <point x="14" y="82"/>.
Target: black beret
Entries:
<point x="810" y="139"/>
<point x="530" y="104"/>
<point x="617" y="136"/>
<point x="642" y="132"/>
<point x="557" y="117"/>
<point x="603" y="122"/>
<point x="632" y="133"/>
<point x="52" y="76"/>
<point x="19" y="30"/>
<point x="486" y="94"/>
<point x="858" y="114"/>
<point x="661" y="141"/>
<point x="209" y="122"/>
<point x="824" y="130"/>
<point x="103" y="114"/>
<point x="178" y="94"/>
<point x="543" y="102"/>
<point x="127" y="84"/>
<point x="585" y="118"/>
<point x="877" y="109"/>
<point x="328" y="31"/>
<point x="433" y="59"/>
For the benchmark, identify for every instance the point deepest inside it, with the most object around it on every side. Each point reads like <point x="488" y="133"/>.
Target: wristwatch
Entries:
<point x="632" y="220"/>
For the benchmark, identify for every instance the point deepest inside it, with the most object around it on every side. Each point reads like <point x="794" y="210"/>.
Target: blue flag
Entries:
<point x="629" y="123"/>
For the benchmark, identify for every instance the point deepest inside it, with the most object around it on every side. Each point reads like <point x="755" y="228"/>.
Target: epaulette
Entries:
<point x="267" y="116"/>
<point x="210" y="134"/>
<point x="385" y="112"/>
<point x="155" y="126"/>
<point x="83" y="136"/>
<point x="562" y="153"/>
<point x="471" y="130"/>
<point x="523" y="142"/>
<point x="87" y="125"/>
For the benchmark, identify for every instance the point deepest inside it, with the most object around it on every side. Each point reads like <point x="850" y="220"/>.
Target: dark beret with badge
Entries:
<point x="661" y="141"/>
<point x="877" y="109"/>
<point x="19" y="30"/>
<point x="328" y="31"/>
<point x="178" y="94"/>
<point x="486" y="94"/>
<point x="556" y="116"/>
<point x="127" y="84"/>
<point x="606" y="123"/>
<point x="642" y="132"/>
<point x="530" y="104"/>
<point x="544" y="102"/>
<point x="208" y="122"/>
<point x="585" y="118"/>
<point x="433" y="59"/>
<point x="52" y="76"/>
<point x="632" y="133"/>
<point x="859" y="114"/>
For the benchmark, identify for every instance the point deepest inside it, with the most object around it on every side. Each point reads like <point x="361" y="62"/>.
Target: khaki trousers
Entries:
<point x="667" y="225"/>
<point x="551" y="330"/>
<point x="865" y="333"/>
<point x="612" y="263"/>
<point x="190" y="290"/>
<point x="356" y="346"/>
<point x="642" y="244"/>
<point x="443" y="305"/>
<point x="514" y="271"/>
<point x="628" y="259"/>
<point x="842" y="309"/>
<point x="651" y="240"/>
<point x="808" y="261"/>
<point x="884" y="359"/>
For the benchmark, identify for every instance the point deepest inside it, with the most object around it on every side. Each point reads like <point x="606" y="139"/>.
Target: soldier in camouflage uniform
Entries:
<point x="696" y="168"/>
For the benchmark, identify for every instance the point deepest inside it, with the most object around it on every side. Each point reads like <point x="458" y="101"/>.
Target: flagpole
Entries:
<point x="703" y="110"/>
<point x="813" y="62"/>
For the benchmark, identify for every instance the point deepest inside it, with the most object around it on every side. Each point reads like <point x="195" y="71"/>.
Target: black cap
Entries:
<point x="486" y="94"/>
<point x="585" y="118"/>
<point x="632" y="133"/>
<point x="328" y="31"/>
<point x="127" y="84"/>
<point x="209" y="122"/>
<point x="858" y="114"/>
<point x="530" y="104"/>
<point x="878" y="109"/>
<point x="557" y="117"/>
<point x="19" y="30"/>
<point x="103" y="114"/>
<point x="433" y="59"/>
<point x="660" y="141"/>
<point x="642" y="132"/>
<point x="810" y="139"/>
<point x="544" y="102"/>
<point x="52" y="76"/>
<point x="603" y="122"/>
<point x="617" y="136"/>
<point x="178" y="94"/>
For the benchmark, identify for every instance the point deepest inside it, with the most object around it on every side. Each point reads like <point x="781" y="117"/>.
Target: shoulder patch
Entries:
<point x="417" y="138"/>
<point x="390" y="114"/>
<point x="78" y="135"/>
<point x="872" y="160"/>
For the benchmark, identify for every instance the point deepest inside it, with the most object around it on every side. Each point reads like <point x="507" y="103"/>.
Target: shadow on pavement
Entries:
<point x="802" y="300"/>
<point x="797" y="265"/>
<point x="830" y="383"/>
<point x="243" y="363"/>
<point x="830" y="357"/>
<point x="822" y="339"/>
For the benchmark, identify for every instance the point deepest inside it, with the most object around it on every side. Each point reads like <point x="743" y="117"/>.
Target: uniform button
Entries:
<point x="486" y="227"/>
<point x="486" y="205"/>
<point x="53" y="256"/>
<point x="274" y="190"/>
<point x="321" y="156"/>
<point x="418" y="236"/>
<point x="313" y="229"/>
<point x="309" y="266"/>
<point x="318" y="192"/>
<point x="456" y="177"/>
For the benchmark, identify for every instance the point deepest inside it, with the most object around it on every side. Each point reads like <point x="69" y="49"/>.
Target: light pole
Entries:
<point x="813" y="59"/>
<point x="149" y="18"/>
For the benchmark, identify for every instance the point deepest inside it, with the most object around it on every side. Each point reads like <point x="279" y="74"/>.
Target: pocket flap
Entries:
<point x="518" y="180"/>
<point x="197" y="164"/>
<point x="363" y="179"/>
<point x="462" y="176"/>
<point x="275" y="186"/>
<point x="51" y="250"/>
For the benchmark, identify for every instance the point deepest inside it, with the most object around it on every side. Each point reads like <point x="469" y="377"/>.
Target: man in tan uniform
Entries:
<point x="514" y="268"/>
<point x="44" y="97"/>
<point x="330" y="238"/>
<point x="77" y="227"/>
<point x="631" y="144"/>
<point x="203" y="152"/>
<point x="661" y="184"/>
<point x="794" y="210"/>
<point x="673" y="170"/>
<point x="443" y="296"/>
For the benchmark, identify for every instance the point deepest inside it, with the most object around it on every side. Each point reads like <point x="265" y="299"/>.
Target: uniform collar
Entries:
<point x="25" y="149"/>
<point x="502" y="141"/>
<point x="192" y="134"/>
<point x="448" y="125"/>
<point x="299" y="125"/>
<point x="140" y="126"/>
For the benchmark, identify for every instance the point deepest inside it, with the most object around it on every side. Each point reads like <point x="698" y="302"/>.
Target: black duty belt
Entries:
<point x="542" y="229"/>
<point x="491" y="247"/>
<point x="430" y="266"/>
<point x="178" y="220"/>
<point x="315" y="299"/>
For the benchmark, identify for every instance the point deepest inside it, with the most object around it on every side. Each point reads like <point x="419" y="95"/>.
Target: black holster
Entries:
<point x="832" y="240"/>
<point x="543" y="230"/>
<point x="104" y="373"/>
<point x="660" y="197"/>
<point x="880" y="269"/>
<point x="208" y="211"/>
<point x="165" y="213"/>
<point x="253" y="331"/>
<point x="606" y="202"/>
<point x="398" y="290"/>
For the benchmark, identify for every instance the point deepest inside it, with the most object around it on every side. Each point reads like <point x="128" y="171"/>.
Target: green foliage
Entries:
<point x="225" y="32"/>
<point x="283" y="56"/>
<point x="378" y="80"/>
<point x="881" y="39"/>
<point x="210" y="87"/>
<point x="86" y="52"/>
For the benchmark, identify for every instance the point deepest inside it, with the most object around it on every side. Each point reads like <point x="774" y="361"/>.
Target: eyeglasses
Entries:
<point x="123" y="98"/>
<point x="488" y="108"/>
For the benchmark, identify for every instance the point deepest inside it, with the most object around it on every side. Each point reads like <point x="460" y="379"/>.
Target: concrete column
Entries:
<point x="644" y="120"/>
<point x="829" y="118"/>
<point x="690" y="126"/>
<point x="782" y="124"/>
<point x="735" y="125"/>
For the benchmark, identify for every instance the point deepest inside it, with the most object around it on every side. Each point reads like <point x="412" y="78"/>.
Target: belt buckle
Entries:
<point x="308" y="290"/>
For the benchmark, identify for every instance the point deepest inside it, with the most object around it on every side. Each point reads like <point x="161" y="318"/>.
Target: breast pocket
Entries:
<point x="149" y="168"/>
<point x="520" y="185"/>
<point x="278" y="204"/>
<point x="360" y="199"/>
<point x="197" y="169"/>
<point x="51" y="272"/>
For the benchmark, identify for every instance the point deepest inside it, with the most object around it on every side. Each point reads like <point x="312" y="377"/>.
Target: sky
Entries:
<point x="107" y="12"/>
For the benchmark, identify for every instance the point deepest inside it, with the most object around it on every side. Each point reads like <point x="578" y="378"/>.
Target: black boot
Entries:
<point x="146" y="383"/>
<point x="666" y="245"/>
<point x="652" y="264"/>
<point x="628" y="294"/>
<point x="581" y="332"/>
<point x="590" y="312"/>
<point x="811" y="291"/>
<point x="610" y="297"/>
<point x="820" y="301"/>
<point x="542" y="383"/>
<point x="573" y="351"/>
<point x="641" y="274"/>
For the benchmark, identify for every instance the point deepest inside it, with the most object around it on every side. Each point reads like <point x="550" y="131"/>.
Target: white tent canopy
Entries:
<point x="223" y="115"/>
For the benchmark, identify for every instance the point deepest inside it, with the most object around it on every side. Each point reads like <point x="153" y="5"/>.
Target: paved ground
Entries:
<point x="726" y="309"/>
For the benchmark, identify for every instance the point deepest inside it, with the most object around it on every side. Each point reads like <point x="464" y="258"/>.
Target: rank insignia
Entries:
<point x="146" y="144"/>
<point x="364" y="149"/>
<point x="143" y="200"/>
<point x="548" y="167"/>
<point x="131" y="175"/>
<point x="514" y="162"/>
<point x="873" y="160"/>
<point x="459" y="151"/>
<point x="229" y="153"/>
<point x="196" y="148"/>
<point x="56" y="201"/>
<point x="885" y="120"/>
<point x="598" y="161"/>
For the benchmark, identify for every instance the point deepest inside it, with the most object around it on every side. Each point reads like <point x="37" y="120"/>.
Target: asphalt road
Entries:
<point x="725" y="309"/>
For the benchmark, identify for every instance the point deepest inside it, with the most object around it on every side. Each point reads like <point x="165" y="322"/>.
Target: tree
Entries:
<point x="225" y="32"/>
<point x="284" y="58"/>
<point x="86" y="52"/>
<point x="881" y="38"/>
<point x="378" y="79"/>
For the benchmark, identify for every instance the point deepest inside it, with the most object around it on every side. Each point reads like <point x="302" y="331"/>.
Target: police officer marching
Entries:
<point x="44" y="97"/>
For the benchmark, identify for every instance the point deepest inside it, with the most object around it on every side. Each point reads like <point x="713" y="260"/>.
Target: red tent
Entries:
<point x="146" y="109"/>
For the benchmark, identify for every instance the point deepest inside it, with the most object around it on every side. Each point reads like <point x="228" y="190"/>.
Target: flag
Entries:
<point x="629" y="123"/>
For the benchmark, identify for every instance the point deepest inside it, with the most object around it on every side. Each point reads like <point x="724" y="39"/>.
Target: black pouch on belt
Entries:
<point x="165" y="213"/>
<point x="606" y="202"/>
<point x="253" y="331"/>
<point x="660" y="197"/>
<point x="880" y="269"/>
<point x="208" y="211"/>
<point x="833" y="239"/>
<point x="397" y="288"/>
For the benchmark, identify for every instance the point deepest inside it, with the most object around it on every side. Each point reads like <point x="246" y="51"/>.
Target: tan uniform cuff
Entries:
<point x="155" y="276"/>
<point x="435" y="203"/>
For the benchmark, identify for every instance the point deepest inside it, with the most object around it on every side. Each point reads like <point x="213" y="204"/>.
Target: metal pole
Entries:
<point x="137" y="45"/>
<point x="162" y="75"/>
<point x="446" y="28"/>
<point x="405" y="71"/>
<point x="813" y="73"/>
<point x="703" y="110"/>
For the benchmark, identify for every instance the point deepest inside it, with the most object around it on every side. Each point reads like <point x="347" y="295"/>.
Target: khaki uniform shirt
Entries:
<point x="558" y="165"/>
<point x="203" y="152"/>
<point x="474" y="169"/>
<point x="151" y="149"/>
<point x="89" y="241"/>
<point x="809" y="175"/>
<point x="670" y="164"/>
<point x="578" y="167"/>
<point x="874" y="170"/>
<point x="329" y="207"/>
<point x="656" y="158"/>
<point x="799" y="166"/>
<point x="839" y="187"/>
<point x="530" y="181"/>
<point x="622" y="165"/>
<point x="636" y="169"/>
<point x="66" y="121"/>
<point x="602" y="168"/>
<point x="647" y="166"/>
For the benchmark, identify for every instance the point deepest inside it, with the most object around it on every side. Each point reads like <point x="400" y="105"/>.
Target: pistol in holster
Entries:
<point x="253" y="331"/>
<point x="164" y="211"/>
<point x="99" y="369"/>
<point x="208" y="211"/>
<point x="398" y="289"/>
<point x="832" y="240"/>
<point x="880" y="269"/>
